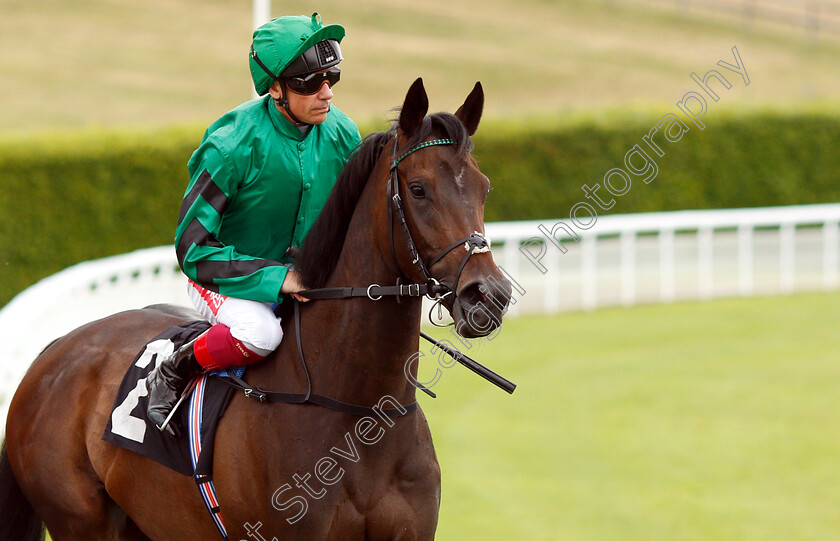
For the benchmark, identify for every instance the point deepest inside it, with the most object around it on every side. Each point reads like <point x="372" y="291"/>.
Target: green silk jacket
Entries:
<point x="256" y="187"/>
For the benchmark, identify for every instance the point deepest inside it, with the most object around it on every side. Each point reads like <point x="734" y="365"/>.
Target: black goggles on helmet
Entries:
<point x="310" y="84"/>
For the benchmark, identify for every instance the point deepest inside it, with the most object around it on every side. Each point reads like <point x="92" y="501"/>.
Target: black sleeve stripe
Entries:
<point x="195" y="233"/>
<point x="209" y="190"/>
<point x="208" y="272"/>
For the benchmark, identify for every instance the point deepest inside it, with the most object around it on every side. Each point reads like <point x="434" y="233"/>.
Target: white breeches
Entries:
<point x="252" y="323"/>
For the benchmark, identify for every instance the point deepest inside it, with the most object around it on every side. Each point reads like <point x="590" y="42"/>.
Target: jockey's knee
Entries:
<point x="246" y="332"/>
<point x="260" y="332"/>
<point x="266" y="341"/>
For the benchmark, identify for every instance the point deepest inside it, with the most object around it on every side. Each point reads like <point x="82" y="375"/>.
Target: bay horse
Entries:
<point x="57" y="471"/>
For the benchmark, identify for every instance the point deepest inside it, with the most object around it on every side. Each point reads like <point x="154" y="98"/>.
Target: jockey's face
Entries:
<point x="308" y="108"/>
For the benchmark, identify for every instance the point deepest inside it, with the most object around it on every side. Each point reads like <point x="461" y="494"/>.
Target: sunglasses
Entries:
<point x="310" y="84"/>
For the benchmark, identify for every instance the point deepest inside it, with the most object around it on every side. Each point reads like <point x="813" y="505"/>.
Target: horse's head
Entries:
<point x="442" y="194"/>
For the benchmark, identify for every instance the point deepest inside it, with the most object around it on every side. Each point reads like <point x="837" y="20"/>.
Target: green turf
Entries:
<point x="696" y="421"/>
<point x="693" y="421"/>
<point x="74" y="63"/>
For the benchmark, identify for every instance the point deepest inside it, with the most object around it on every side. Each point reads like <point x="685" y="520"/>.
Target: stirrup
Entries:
<point x="164" y="427"/>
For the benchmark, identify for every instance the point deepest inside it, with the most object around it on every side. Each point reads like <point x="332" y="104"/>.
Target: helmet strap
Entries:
<point x="284" y="103"/>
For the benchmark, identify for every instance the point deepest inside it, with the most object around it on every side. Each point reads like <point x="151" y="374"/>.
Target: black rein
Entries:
<point x="432" y="288"/>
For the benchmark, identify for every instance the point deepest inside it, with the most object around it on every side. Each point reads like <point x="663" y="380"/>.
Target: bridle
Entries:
<point x="432" y="288"/>
<point x="475" y="243"/>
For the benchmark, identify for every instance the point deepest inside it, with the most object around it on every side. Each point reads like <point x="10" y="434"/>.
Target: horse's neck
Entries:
<point x="356" y="349"/>
<point x="358" y="352"/>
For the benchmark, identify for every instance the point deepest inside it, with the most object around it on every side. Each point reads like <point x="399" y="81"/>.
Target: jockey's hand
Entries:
<point x="293" y="285"/>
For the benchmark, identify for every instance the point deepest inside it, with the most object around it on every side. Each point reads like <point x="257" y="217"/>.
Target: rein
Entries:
<point x="252" y="391"/>
<point x="431" y="288"/>
<point x="474" y="244"/>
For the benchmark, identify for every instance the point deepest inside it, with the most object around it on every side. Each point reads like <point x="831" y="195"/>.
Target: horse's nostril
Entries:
<point x="472" y="294"/>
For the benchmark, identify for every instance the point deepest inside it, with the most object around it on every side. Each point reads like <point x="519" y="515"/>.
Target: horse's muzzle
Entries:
<point x="480" y="305"/>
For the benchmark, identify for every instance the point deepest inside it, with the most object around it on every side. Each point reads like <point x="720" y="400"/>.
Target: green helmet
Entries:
<point x="283" y="40"/>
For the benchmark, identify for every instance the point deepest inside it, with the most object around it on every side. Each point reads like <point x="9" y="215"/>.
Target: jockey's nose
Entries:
<point x="325" y="92"/>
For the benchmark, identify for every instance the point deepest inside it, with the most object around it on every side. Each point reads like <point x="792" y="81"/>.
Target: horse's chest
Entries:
<point x="340" y="487"/>
<point x="395" y="499"/>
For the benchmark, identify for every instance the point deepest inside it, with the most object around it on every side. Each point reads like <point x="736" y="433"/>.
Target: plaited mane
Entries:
<point x="323" y="243"/>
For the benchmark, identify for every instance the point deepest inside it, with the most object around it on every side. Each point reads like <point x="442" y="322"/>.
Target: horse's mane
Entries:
<point x="322" y="245"/>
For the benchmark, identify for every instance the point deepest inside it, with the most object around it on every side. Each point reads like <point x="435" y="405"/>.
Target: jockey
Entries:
<point x="259" y="178"/>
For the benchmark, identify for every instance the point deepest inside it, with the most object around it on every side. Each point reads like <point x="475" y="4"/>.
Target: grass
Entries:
<point x="685" y="422"/>
<point x="693" y="421"/>
<point x="78" y="63"/>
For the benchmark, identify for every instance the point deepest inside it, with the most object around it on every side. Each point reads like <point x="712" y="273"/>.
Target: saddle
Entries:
<point x="208" y="398"/>
<point x="129" y="428"/>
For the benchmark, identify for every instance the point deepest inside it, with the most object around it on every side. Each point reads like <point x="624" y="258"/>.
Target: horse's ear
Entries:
<point x="414" y="108"/>
<point x="470" y="112"/>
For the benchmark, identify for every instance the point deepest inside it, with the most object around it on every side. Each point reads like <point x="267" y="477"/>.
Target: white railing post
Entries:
<point x="705" y="264"/>
<point x="830" y="254"/>
<point x="745" y="260"/>
<point x="552" y="280"/>
<point x="589" y="272"/>
<point x="666" y="265"/>
<point x="260" y="14"/>
<point x="628" y="268"/>
<point x="787" y="256"/>
<point x="512" y="255"/>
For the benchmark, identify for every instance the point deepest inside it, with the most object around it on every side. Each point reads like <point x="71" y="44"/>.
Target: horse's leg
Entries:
<point x="54" y="434"/>
<point x="106" y="522"/>
<point x="48" y="433"/>
<point x="70" y="499"/>
<point x="409" y="513"/>
<point x="18" y="519"/>
<point x="85" y="511"/>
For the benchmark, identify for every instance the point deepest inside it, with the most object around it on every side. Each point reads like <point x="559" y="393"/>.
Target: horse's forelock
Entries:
<point x="445" y="125"/>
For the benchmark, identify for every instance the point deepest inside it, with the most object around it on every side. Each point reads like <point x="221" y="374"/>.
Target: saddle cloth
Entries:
<point x="129" y="428"/>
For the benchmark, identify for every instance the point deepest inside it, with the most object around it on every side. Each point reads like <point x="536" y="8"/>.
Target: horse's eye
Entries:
<point x="417" y="191"/>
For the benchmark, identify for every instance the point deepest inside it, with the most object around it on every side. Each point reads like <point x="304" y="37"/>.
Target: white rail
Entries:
<point x="665" y="256"/>
<point x="77" y="295"/>
<point x="620" y="260"/>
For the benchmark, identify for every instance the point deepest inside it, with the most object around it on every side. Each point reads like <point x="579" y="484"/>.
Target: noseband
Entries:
<point x="475" y="243"/>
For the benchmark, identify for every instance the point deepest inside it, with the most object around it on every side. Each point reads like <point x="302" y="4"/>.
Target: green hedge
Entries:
<point x="72" y="197"/>
<point x="757" y="159"/>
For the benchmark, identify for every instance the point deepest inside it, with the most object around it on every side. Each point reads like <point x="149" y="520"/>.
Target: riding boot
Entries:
<point x="166" y="383"/>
